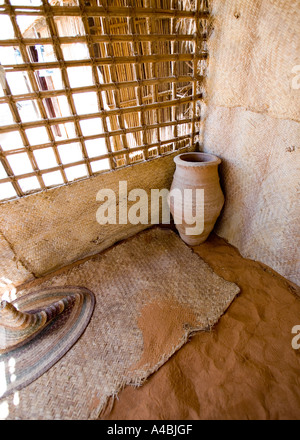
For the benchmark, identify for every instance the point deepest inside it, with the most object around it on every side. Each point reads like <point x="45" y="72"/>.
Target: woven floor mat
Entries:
<point x="152" y="292"/>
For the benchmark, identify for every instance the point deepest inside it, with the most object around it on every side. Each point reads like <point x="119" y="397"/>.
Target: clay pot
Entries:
<point x="196" y="171"/>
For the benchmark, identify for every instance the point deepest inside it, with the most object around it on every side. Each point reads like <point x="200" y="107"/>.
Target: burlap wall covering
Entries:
<point x="252" y="51"/>
<point x="252" y="123"/>
<point x="51" y="229"/>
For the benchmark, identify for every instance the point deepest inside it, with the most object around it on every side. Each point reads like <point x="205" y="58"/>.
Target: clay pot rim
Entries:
<point x="211" y="159"/>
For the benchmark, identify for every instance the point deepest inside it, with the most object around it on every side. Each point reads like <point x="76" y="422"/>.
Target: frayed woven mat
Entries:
<point x="152" y="292"/>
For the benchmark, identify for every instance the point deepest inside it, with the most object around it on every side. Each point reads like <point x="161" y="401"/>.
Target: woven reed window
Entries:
<point x="90" y="86"/>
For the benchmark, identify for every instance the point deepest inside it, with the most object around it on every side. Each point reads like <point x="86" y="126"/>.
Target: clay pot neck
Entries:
<point x="196" y="160"/>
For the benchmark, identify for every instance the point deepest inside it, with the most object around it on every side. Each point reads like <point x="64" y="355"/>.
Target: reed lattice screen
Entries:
<point x="90" y="86"/>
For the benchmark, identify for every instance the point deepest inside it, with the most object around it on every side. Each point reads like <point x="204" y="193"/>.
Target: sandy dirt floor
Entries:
<point x="245" y="368"/>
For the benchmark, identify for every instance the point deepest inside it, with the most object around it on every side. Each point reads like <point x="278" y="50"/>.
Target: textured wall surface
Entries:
<point x="252" y="123"/>
<point x="12" y="270"/>
<point x="253" y="50"/>
<point x="51" y="229"/>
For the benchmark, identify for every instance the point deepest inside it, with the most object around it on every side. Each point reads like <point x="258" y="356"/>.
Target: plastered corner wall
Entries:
<point x="254" y="51"/>
<point x="251" y="121"/>
<point x="12" y="271"/>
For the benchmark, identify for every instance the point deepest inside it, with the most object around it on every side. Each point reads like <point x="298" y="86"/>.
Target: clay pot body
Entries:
<point x="196" y="171"/>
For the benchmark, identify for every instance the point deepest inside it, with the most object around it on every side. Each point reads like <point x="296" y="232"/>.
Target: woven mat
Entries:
<point x="152" y="292"/>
